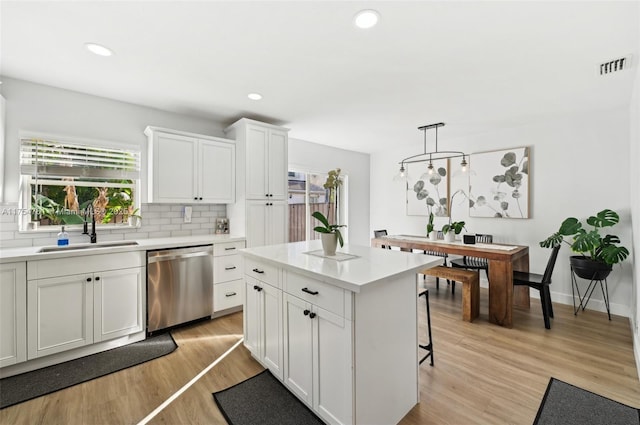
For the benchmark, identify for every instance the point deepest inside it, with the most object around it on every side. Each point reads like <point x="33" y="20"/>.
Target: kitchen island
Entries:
<point x="340" y="332"/>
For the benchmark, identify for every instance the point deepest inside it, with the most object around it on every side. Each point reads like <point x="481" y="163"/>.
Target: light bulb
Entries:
<point x="464" y="164"/>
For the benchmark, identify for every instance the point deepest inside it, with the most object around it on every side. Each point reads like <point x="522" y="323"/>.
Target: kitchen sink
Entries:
<point x="86" y="246"/>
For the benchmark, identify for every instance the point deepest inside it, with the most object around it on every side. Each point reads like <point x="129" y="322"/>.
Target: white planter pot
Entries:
<point x="329" y="243"/>
<point x="450" y="236"/>
<point x="433" y="235"/>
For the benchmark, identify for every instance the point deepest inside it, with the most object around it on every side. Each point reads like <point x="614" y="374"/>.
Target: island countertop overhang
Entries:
<point x="371" y="265"/>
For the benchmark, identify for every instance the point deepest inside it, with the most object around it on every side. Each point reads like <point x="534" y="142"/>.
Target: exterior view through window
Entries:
<point x="307" y="195"/>
<point x="67" y="183"/>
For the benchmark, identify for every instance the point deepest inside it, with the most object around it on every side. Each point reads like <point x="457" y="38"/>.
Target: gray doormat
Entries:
<point x="263" y="400"/>
<point x="18" y="388"/>
<point x="565" y="404"/>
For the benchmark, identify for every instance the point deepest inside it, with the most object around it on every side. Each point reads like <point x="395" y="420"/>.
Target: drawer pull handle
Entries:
<point x="306" y="312"/>
<point x="309" y="292"/>
<point x="230" y="294"/>
<point x="312" y="315"/>
<point x="230" y="268"/>
<point x="258" y="271"/>
<point x="230" y="249"/>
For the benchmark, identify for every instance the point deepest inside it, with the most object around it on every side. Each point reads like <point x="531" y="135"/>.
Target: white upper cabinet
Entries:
<point x="190" y="168"/>
<point x="266" y="163"/>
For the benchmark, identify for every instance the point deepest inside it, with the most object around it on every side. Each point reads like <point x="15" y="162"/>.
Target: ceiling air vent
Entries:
<point x="615" y="65"/>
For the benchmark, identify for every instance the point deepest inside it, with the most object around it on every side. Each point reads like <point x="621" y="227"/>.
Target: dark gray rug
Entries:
<point x="263" y="400"/>
<point x="18" y="388"/>
<point x="565" y="404"/>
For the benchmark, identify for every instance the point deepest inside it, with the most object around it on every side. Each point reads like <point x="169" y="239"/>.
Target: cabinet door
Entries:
<point x="298" y="348"/>
<point x="257" y="223"/>
<point x="174" y="168"/>
<point x="13" y="313"/>
<point x="272" y="329"/>
<point x="217" y="172"/>
<point x="276" y="225"/>
<point x="257" y="183"/>
<point x="118" y="303"/>
<point x="252" y="313"/>
<point x="277" y="165"/>
<point x="59" y="314"/>
<point x="332" y="368"/>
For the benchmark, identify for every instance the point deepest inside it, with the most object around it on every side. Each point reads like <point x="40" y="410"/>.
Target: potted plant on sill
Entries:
<point x="603" y="251"/>
<point x="329" y="233"/>
<point x="431" y="233"/>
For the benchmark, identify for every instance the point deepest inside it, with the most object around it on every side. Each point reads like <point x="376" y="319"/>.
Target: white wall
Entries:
<point x="40" y="108"/>
<point x="578" y="167"/>
<point x="313" y="157"/>
<point x="634" y="160"/>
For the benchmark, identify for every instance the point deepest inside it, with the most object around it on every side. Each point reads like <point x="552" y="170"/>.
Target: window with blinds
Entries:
<point x="61" y="180"/>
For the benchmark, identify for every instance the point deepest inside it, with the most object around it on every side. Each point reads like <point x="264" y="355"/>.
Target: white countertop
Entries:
<point x="32" y="253"/>
<point x="371" y="265"/>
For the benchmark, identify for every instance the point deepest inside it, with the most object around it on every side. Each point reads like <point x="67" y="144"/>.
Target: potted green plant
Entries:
<point x="329" y="233"/>
<point x="597" y="253"/>
<point x="452" y="229"/>
<point x="431" y="233"/>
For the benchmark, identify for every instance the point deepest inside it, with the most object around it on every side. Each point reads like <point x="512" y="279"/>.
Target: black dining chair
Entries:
<point x="444" y="256"/>
<point x="473" y="263"/>
<point x="379" y="234"/>
<point x="540" y="283"/>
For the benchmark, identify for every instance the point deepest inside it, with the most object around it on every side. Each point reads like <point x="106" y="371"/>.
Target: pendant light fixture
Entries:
<point x="429" y="157"/>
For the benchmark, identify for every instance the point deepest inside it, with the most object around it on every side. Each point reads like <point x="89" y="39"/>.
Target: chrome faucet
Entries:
<point x="85" y="231"/>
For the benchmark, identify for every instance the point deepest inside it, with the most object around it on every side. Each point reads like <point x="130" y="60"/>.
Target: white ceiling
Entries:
<point x="473" y="65"/>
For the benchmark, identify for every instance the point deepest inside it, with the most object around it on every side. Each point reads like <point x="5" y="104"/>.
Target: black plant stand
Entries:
<point x="586" y="296"/>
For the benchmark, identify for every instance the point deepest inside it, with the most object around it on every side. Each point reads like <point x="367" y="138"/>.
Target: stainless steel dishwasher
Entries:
<point x="179" y="286"/>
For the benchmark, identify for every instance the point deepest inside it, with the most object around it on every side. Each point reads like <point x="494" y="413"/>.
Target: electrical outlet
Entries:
<point x="187" y="214"/>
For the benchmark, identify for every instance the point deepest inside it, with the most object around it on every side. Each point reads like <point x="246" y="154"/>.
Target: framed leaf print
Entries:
<point x="427" y="194"/>
<point x="499" y="184"/>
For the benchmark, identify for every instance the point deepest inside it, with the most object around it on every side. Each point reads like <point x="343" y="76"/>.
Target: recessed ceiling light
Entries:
<point x="254" y="96"/>
<point x="366" y="18"/>
<point x="98" y="49"/>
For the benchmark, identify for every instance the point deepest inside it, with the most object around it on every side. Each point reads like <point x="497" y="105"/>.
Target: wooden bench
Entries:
<point x="470" y="288"/>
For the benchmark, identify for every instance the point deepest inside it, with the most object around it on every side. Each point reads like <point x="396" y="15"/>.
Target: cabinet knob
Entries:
<point x="195" y="198"/>
<point x="97" y="277"/>
<point x="257" y="288"/>
<point x="306" y="312"/>
<point x="312" y="315"/>
<point x="266" y="195"/>
<point x="200" y="198"/>
<point x="88" y="279"/>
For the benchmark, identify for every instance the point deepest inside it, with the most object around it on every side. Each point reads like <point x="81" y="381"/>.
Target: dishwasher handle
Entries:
<point x="176" y="255"/>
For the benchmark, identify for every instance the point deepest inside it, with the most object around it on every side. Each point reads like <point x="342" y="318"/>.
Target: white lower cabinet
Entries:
<point x="263" y="323"/>
<point x="228" y="284"/>
<point x="318" y="359"/>
<point x="13" y="313"/>
<point x="71" y="311"/>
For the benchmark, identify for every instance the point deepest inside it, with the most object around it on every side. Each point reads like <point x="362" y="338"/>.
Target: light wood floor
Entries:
<point x="483" y="374"/>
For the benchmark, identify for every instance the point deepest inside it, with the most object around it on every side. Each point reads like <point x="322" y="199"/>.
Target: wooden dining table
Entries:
<point x="503" y="260"/>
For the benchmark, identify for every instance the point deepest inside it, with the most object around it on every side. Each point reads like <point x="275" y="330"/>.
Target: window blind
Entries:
<point x="48" y="158"/>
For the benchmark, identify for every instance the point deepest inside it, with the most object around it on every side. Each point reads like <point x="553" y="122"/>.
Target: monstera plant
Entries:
<point x="598" y="252"/>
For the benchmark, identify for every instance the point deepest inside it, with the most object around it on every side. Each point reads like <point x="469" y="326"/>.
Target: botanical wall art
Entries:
<point x="428" y="194"/>
<point x="499" y="184"/>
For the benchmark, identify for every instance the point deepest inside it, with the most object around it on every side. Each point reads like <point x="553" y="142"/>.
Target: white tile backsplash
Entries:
<point x="158" y="221"/>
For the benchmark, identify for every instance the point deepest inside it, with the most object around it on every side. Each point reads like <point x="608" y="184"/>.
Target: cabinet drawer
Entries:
<point x="42" y="269"/>
<point x="227" y="248"/>
<point x="227" y="295"/>
<point x="262" y="271"/>
<point x="226" y="268"/>
<point x="322" y="294"/>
